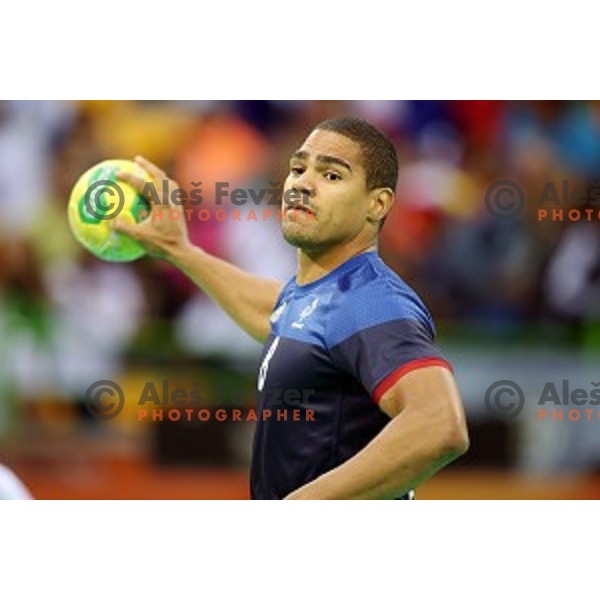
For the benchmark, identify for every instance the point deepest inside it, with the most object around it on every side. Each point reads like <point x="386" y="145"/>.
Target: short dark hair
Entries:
<point x="378" y="152"/>
<point x="379" y="155"/>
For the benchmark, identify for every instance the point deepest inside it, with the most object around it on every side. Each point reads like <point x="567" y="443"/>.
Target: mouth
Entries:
<point x="300" y="209"/>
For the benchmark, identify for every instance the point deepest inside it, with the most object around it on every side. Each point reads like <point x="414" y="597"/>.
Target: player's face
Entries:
<point x="328" y="171"/>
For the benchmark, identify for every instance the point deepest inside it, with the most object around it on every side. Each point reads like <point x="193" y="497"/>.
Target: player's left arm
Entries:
<point x="427" y="431"/>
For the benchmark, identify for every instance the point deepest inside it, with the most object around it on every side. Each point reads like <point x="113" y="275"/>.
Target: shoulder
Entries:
<point x="371" y="296"/>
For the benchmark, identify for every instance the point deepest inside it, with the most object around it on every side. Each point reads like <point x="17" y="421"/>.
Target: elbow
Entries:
<point x="455" y="442"/>
<point x="462" y="442"/>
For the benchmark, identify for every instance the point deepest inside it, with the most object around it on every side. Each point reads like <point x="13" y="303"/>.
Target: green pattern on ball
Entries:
<point x="141" y="205"/>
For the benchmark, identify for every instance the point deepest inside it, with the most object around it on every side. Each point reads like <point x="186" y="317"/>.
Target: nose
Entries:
<point x="304" y="188"/>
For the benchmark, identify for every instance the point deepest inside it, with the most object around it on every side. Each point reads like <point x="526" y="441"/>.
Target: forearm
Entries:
<point x="408" y="451"/>
<point x="247" y="299"/>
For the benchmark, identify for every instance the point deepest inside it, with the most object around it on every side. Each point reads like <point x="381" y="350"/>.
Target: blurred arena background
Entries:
<point x="513" y="299"/>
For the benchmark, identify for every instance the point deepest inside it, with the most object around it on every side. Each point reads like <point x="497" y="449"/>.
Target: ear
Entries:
<point x="381" y="201"/>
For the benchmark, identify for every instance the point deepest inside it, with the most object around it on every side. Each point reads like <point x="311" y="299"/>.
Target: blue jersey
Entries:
<point x="336" y="345"/>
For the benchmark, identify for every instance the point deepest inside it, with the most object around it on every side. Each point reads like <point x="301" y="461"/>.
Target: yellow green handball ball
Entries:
<point x="97" y="198"/>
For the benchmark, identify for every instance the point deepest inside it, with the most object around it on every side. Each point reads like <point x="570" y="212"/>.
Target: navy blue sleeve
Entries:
<point x="381" y="333"/>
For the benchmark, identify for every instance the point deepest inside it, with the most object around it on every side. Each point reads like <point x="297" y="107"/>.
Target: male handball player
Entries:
<point x="387" y="411"/>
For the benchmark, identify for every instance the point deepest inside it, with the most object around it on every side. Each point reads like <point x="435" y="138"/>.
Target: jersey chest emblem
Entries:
<point x="309" y="310"/>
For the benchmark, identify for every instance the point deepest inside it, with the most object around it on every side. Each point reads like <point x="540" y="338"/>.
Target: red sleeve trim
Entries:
<point x="400" y="372"/>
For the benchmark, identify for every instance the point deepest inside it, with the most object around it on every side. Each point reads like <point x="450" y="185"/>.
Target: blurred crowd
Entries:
<point x="67" y="319"/>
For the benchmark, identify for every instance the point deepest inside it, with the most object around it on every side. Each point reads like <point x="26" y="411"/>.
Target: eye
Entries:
<point x="296" y="170"/>
<point x="332" y="176"/>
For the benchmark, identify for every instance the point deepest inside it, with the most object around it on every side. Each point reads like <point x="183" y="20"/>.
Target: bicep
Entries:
<point x="431" y="392"/>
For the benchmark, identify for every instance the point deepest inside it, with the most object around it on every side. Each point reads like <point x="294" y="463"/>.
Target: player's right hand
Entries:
<point x="160" y="234"/>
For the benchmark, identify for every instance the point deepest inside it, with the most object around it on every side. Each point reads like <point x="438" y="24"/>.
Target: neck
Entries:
<point x="313" y="266"/>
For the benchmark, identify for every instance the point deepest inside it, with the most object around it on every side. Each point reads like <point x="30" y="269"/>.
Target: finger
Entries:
<point x="122" y="226"/>
<point x="151" y="168"/>
<point x="133" y="179"/>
